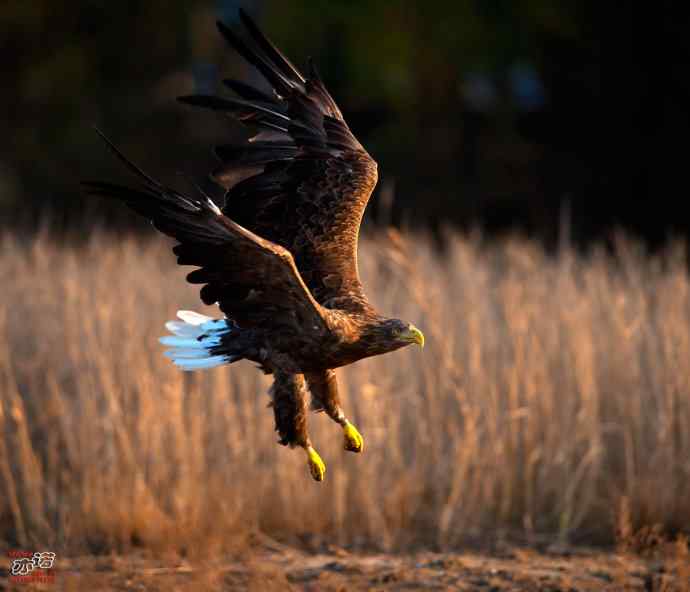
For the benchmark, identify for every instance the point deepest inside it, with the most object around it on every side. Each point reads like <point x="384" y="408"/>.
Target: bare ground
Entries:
<point x="287" y="568"/>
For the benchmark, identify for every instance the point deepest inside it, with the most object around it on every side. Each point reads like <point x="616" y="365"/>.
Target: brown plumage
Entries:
<point x="280" y="259"/>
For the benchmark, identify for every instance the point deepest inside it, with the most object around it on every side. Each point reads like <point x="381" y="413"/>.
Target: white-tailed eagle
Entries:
<point x="280" y="258"/>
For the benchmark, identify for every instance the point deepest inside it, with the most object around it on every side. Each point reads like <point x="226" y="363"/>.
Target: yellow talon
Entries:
<point x="353" y="439"/>
<point x="316" y="465"/>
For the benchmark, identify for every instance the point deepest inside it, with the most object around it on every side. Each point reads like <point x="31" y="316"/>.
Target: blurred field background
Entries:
<point x="550" y="404"/>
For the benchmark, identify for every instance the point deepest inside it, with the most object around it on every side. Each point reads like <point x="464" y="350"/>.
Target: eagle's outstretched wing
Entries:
<point x="254" y="281"/>
<point x="304" y="180"/>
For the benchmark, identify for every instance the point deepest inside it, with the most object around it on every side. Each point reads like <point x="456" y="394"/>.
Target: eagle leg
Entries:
<point x="289" y="404"/>
<point x="353" y="439"/>
<point x="317" y="468"/>
<point x="324" y="397"/>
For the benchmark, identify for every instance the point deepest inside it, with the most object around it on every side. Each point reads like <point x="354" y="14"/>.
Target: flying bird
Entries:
<point x="280" y="257"/>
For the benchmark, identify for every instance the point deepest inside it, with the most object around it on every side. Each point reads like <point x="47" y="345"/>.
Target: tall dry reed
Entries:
<point x="551" y="393"/>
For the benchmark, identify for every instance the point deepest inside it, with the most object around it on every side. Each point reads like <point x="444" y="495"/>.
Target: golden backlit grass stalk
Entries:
<point x="551" y="390"/>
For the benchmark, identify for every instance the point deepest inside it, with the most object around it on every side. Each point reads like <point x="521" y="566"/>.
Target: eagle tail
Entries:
<point x="196" y="342"/>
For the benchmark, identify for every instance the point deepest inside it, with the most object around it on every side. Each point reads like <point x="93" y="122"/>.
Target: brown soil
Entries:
<point x="285" y="568"/>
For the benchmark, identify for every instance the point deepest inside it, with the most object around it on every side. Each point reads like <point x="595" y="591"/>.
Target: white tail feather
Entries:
<point x="193" y="339"/>
<point x="180" y="352"/>
<point x="199" y="364"/>
<point x="183" y="329"/>
<point x="193" y="318"/>
<point x="181" y="341"/>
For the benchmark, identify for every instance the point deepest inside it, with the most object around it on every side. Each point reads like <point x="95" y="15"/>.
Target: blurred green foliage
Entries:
<point x="431" y="88"/>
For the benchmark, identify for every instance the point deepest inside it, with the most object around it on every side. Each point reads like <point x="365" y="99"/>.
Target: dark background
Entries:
<point x="548" y="118"/>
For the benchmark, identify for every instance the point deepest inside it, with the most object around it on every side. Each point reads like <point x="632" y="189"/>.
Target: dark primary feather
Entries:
<point x="304" y="180"/>
<point x="245" y="111"/>
<point x="254" y="281"/>
<point x="247" y="92"/>
<point x="242" y="162"/>
<point x="274" y="54"/>
<point x="279" y="80"/>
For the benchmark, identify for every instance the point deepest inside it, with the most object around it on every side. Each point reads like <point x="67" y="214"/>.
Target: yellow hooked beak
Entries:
<point x="413" y="335"/>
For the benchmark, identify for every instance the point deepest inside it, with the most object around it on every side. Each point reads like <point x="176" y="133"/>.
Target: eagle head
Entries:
<point x="392" y="334"/>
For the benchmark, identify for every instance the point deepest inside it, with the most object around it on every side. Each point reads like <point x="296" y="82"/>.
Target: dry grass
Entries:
<point x="552" y="394"/>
